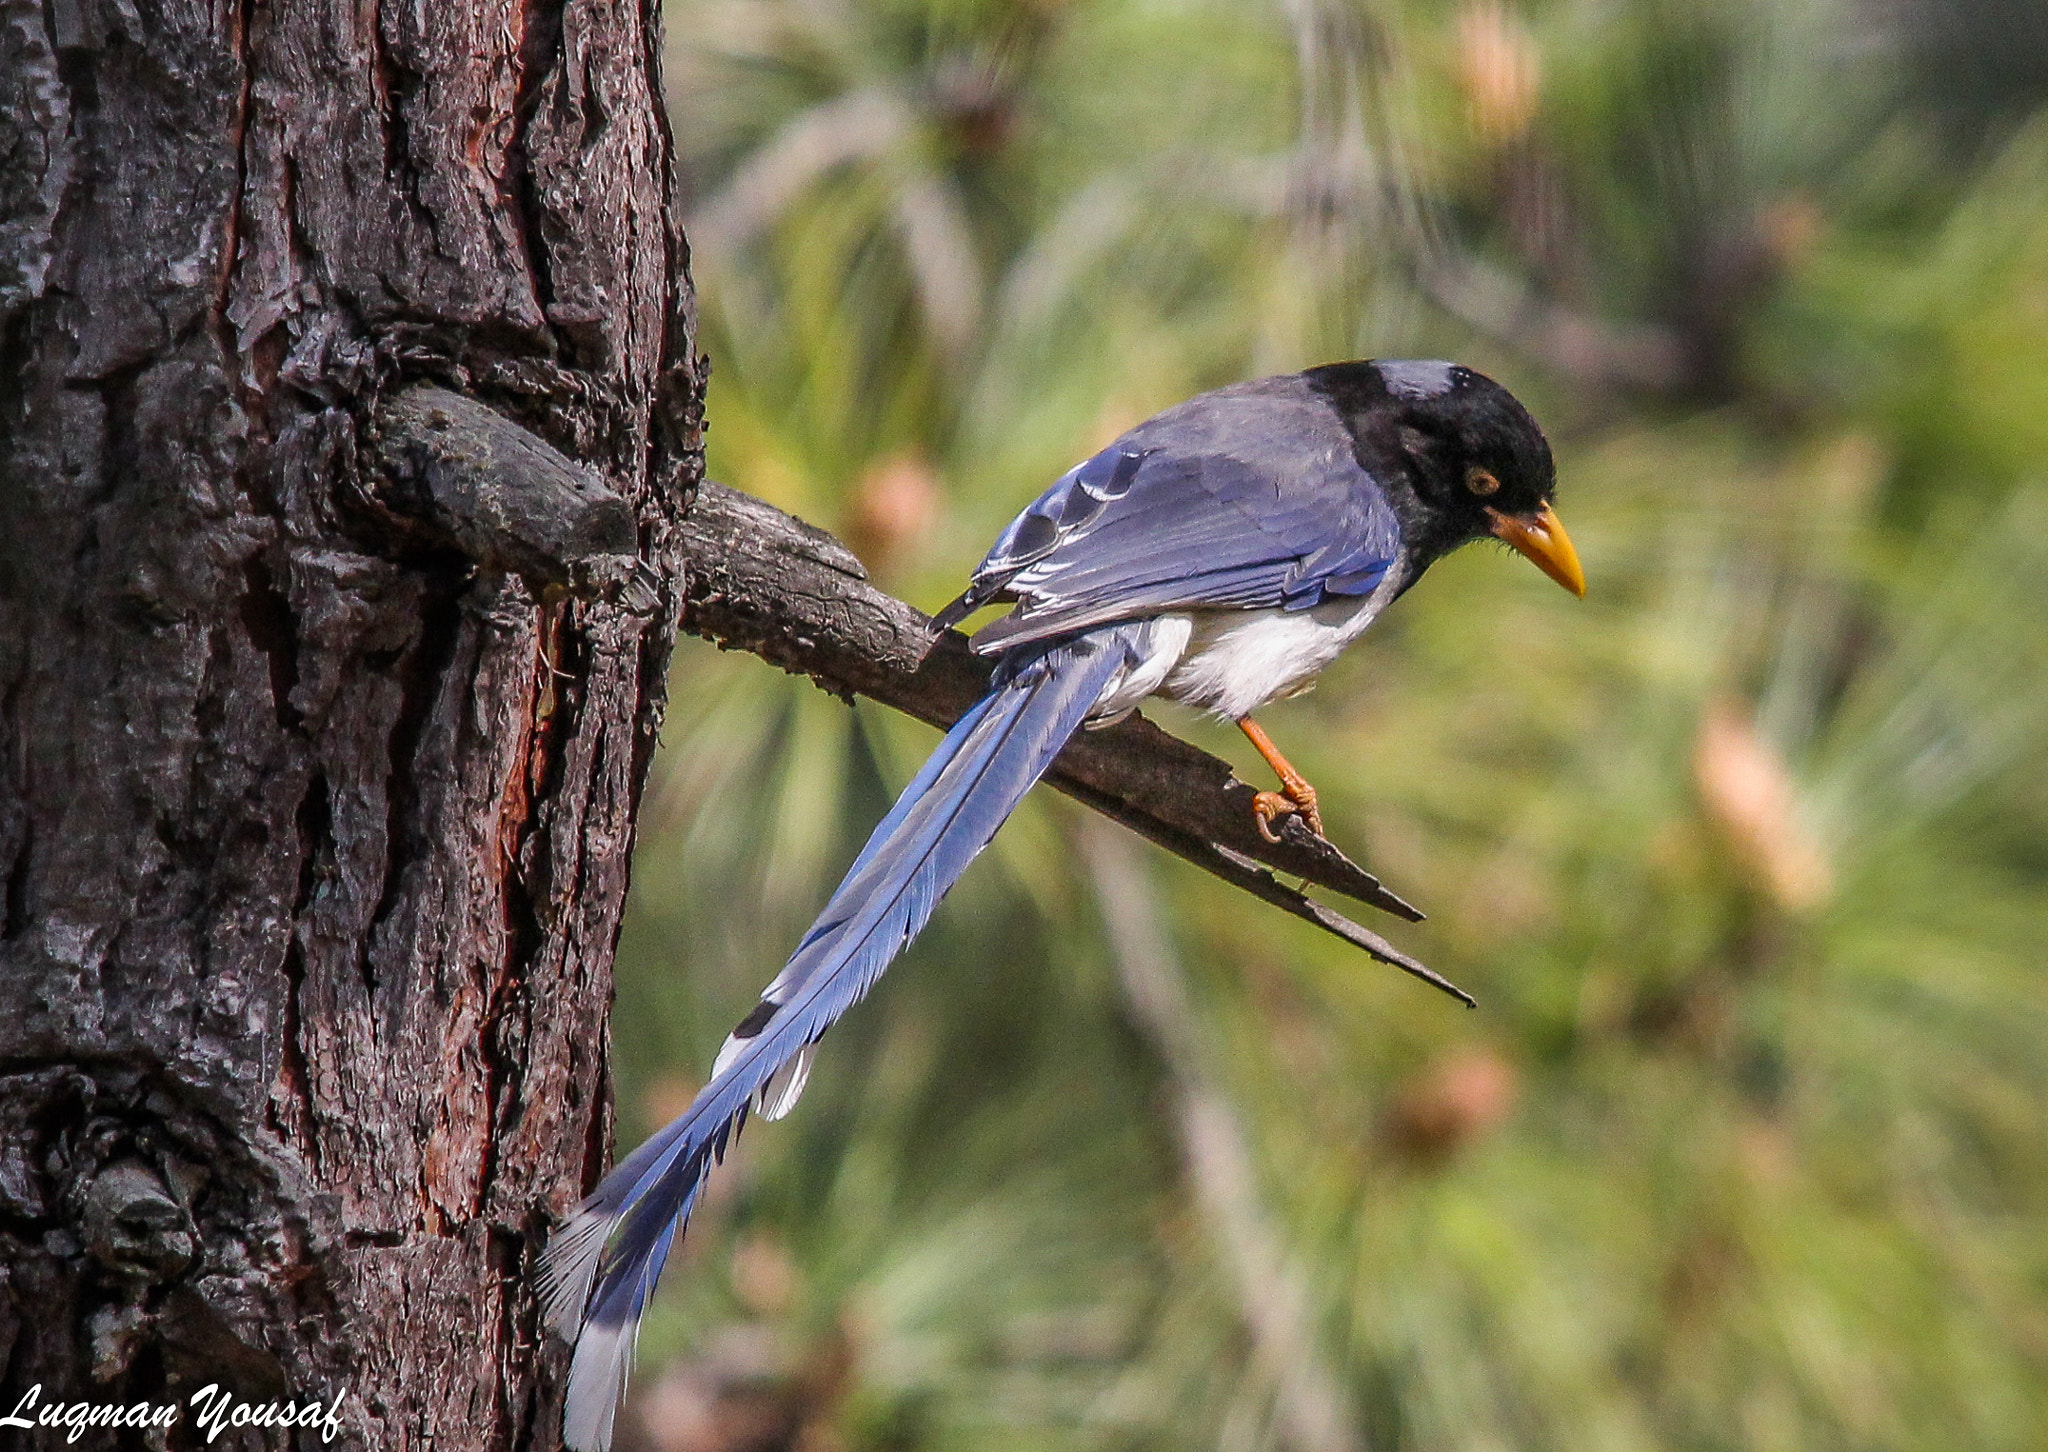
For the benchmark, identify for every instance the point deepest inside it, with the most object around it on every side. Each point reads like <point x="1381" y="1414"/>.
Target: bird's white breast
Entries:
<point x="1166" y="640"/>
<point x="1232" y="662"/>
<point x="1238" y="660"/>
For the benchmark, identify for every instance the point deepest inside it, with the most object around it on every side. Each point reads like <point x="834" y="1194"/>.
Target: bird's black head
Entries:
<point x="1472" y="460"/>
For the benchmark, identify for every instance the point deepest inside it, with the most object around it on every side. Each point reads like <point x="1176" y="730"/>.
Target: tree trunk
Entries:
<point x="314" y="817"/>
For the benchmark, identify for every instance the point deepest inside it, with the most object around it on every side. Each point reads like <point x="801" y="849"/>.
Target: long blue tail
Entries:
<point x="601" y="1266"/>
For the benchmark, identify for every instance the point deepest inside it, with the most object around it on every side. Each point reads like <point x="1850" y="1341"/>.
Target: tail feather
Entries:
<point x="605" y="1346"/>
<point x="601" y="1267"/>
<point x="785" y="1086"/>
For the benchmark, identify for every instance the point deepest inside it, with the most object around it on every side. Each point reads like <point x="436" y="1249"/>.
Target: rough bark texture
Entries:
<point x="314" y="816"/>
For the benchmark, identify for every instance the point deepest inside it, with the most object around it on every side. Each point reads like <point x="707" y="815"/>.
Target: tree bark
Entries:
<point x="315" y="814"/>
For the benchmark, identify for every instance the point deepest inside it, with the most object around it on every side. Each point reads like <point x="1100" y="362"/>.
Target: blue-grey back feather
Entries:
<point x="601" y="1267"/>
<point x="1250" y="497"/>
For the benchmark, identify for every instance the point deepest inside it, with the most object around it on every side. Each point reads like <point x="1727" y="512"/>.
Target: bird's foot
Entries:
<point x="1297" y="798"/>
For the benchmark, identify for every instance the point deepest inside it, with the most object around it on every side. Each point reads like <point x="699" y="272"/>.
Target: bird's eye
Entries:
<point x="1481" y="481"/>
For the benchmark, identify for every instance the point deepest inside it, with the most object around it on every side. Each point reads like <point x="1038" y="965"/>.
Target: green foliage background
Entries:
<point x="1746" y="856"/>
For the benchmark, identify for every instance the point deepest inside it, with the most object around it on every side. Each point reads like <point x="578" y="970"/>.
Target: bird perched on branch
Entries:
<point x="1220" y="554"/>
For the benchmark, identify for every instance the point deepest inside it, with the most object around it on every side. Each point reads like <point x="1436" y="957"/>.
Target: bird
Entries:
<point x="1220" y="554"/>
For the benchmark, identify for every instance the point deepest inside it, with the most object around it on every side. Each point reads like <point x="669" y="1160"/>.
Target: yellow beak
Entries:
<point x="1547" y="546"/>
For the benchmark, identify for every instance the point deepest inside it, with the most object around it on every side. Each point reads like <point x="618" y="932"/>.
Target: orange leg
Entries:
<point x="1295" y="794"/>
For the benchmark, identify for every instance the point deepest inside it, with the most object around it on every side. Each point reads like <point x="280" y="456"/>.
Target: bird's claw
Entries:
<point x="1270" y="807"/>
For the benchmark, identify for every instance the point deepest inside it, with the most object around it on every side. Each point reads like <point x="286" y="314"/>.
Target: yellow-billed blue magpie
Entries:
<point x="1220" y="554"/>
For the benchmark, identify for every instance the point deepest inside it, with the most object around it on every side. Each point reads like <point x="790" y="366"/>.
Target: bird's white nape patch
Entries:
<point x="779" y="1094"/>
<point x="1416" y="379"/>
<point x="568" y="1267"/>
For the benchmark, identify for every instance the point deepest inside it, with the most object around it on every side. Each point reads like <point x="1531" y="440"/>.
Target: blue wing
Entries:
<point x="601" y="1267"/>
<point x="1247" y="498"/>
